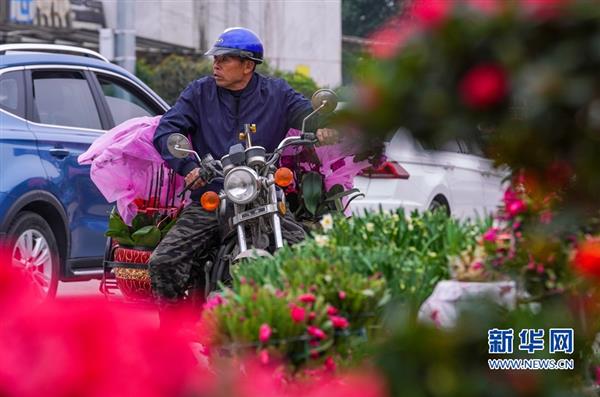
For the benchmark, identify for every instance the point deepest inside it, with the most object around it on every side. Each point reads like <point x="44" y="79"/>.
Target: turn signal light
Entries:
<point x="210" y="201"/>
<point x="283" y="177"/>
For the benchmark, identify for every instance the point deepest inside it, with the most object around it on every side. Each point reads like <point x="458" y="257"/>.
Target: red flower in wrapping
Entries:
<point x="264" y="333"/>
<point x="483" y="86"/>
<point x="587" y="259"/>
<point x="297" y="313"/>
<point x="140" y="203"/>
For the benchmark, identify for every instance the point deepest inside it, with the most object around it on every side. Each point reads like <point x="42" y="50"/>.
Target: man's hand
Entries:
<point x="327" y="136"/>
<point x="193" y="174"/>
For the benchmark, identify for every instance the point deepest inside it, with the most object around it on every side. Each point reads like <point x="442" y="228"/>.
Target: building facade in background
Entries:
<point x="303" y="36"/>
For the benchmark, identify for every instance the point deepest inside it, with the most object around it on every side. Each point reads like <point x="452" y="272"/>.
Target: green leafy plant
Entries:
<point x="145" y="231"/>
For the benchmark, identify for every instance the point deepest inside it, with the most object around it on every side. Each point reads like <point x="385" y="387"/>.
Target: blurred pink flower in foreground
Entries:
<point x="88" y="347"/>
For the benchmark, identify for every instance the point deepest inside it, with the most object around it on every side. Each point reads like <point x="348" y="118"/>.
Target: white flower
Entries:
<point x="368" y="292"/>
<point x="327" y="222"/>
<point x="395" y="218"/>
<point x="370" y="227"/>
<point x="321" y="240"/>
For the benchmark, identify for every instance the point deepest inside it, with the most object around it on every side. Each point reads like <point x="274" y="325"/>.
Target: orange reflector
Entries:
<point x="283" y="177"/>
<point x="210" y="201"/>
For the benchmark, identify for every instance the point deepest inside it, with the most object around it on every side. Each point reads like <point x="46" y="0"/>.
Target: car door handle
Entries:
<point x="59" y="152"/>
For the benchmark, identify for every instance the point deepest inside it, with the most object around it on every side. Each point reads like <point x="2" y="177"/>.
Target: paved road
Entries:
<point x="90" y="289"/>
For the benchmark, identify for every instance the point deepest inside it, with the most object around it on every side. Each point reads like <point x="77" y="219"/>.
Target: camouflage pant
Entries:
<point x="178" y="261"/>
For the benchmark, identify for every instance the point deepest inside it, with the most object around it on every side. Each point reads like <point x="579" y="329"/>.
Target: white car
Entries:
<point x="455" y="176"/>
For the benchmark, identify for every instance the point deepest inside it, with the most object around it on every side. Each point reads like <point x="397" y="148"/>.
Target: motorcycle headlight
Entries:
<point x="241" y="185"/>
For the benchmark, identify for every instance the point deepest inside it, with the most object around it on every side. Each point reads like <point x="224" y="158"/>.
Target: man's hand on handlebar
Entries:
<point x="327" y="136"/>
<point x="193" y="180"/>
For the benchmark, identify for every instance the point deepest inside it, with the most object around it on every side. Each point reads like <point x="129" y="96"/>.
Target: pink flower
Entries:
<point x="477" y="266"/>
<point x="515" y="208"/>
<point x="540" y="268"/>
<point x="598" y="375"/>
<point x="312" y="316"/>
<point x="316" y="332"/>
<point x="307" y="298"/>
<point x="214" y="301"/>
<point x="339" y="322"/>
<point x="431" y="13"/>
<point x="332" y="311"/>
<point x="491" y="234"/>
<point x="342" y="295"/>
<point x="297" y="314"/>
<point x="483" y="86"/>
<point x="264" y="333"/>
<point x="330" y="364"/>
<point x="263" y="357"/>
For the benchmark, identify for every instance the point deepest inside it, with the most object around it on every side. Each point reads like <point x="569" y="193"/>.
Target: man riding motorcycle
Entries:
<point x="212" y="112"/>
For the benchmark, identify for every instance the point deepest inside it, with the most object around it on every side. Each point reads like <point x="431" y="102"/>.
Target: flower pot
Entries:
<point x="134" y="283"/>
<point x="442" y="308"/>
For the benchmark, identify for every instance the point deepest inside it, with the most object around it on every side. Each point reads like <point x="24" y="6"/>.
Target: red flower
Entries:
<point x="339" y="322"/>
<point x="431" y="13"/>
<point x="297" y="313"/>
<point x="587" y="259"/>
<point x="312" y="316"/>
<point x="264" y="333"/>
<point x="307" y="298"/>
<point x="332" y="311"/>
<point x="316" y="332"/>
<point x="483" y="86"/>
<point x="342" y="295"/>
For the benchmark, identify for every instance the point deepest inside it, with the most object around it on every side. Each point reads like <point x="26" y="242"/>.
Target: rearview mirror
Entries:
<point x="324" y="101"/>
<point x="179" y="146"/>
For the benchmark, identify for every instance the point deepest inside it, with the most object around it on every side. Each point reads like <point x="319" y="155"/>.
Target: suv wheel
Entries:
<point x="34" y="250"/>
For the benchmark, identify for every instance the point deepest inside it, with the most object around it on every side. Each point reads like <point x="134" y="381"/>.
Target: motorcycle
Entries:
<point x="251" y="207"/>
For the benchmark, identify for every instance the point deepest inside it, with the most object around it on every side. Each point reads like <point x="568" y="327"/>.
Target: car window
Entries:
<point x="12" y="93"/>
<point x="64" y="98"/>
<point x="450" y="146"/>
<point x="123" y="102"/>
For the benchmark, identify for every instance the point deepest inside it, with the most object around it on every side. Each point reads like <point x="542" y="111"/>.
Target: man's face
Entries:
<point x="232" y="72"/>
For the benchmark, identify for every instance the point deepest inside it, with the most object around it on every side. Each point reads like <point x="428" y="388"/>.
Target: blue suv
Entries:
<point x="54" y="102"/>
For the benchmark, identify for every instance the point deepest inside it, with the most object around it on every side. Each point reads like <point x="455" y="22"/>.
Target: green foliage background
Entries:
<point x="175" y="72"/>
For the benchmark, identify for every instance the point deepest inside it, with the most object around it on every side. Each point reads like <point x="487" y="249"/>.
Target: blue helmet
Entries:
<point x="240" y="42"/>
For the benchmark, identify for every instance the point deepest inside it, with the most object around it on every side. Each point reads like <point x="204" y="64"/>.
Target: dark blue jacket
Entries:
<point x="213" y="117"/>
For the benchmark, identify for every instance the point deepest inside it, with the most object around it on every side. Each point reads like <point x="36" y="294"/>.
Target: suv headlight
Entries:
<point x="241" y="185"/>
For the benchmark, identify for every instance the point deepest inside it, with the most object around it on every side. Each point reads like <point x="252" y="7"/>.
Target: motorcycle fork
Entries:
<point x="276" y="221"/>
